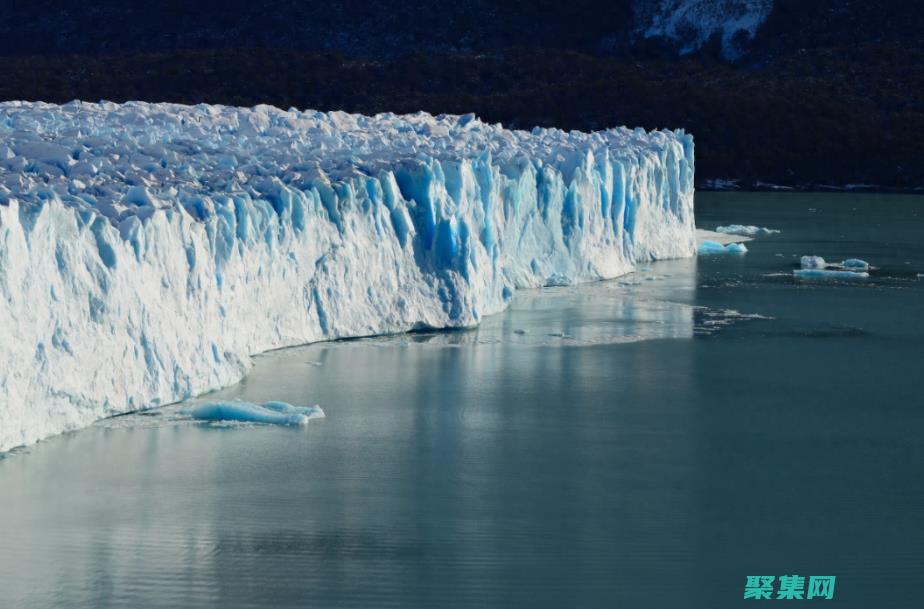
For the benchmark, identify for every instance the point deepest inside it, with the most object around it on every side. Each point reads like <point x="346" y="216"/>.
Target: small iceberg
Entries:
<point x="746" y="230"/>
<point x="813" y="262"/>
<point x="851" y="268"/>
<point x="812" y="273"/>
<point x="714" y="247"/>
<point x="272" y="413"/>
<point x="855" y="264"/>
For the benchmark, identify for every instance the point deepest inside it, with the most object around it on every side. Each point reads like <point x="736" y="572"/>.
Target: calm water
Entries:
<point x="643" y="443"/>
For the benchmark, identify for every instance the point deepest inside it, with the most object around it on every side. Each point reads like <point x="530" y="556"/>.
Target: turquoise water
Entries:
<point x="641" y="443"/>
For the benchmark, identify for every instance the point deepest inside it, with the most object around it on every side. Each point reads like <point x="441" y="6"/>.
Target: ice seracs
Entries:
<point x="148" y="250"/>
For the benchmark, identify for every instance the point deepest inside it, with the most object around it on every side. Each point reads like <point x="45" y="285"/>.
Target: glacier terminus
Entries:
<point x="147" y="251"/>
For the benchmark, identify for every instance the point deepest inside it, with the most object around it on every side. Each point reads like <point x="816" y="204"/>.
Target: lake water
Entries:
<point x="641" y="443"/>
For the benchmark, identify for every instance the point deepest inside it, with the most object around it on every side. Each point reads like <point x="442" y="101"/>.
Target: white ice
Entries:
<point x="812" y="262"/>
<point x="148" y="250"/>
<point x="853" y="265"/>
<point x="746" y="230"/>
<point x="703" y="235"/>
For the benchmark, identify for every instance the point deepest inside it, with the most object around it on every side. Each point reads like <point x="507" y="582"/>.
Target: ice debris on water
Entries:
<point x="746" y="230"/>
<point x="272" y="413"/>
<point x="815" y="267"/>
<point x="714" y="247"/>
<point x="813" y="262"/>
<point x="148" y="250"/>
<point x="828" y="274"/>
<point x="855" y="264"/>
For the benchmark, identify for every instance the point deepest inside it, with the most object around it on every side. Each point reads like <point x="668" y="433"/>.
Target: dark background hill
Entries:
<point x="805" y="94"/>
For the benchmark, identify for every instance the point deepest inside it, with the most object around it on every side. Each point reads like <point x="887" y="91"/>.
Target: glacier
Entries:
<point x="147" y="251"/>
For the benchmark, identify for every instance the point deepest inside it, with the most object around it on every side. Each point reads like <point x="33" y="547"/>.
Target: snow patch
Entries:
<point x="691" y="23"/>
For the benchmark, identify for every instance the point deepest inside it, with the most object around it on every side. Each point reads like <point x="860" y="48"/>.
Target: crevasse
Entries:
<point x="148" y="250"/>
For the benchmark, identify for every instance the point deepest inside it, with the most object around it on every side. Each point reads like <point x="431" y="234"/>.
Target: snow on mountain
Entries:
<point x="148" y="250"/>
<point x="691" y="23"/>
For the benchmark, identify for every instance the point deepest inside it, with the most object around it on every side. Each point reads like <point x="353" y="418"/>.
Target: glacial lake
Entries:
<point x="646" y="442"/>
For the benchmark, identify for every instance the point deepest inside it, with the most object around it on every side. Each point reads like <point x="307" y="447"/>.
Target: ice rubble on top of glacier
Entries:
<point x="147" y="250"/>
<point x="129" y="159"/>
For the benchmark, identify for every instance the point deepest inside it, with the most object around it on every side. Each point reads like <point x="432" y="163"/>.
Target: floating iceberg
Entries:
<point x="855" y="264"/>
<point x="812" y="273"/>
<point x="812" y="262"/>
<point x="714" y="247"/>
<point x="851" y="265"/>
<point x="272" y="413"/>
<point x="148" y="250"/>
<point x="746" y="230"/>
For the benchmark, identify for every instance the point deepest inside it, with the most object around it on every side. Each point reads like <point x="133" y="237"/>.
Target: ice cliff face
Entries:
<point x="147" y="250"/>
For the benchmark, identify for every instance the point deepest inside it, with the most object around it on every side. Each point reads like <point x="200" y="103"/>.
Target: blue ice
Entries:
<point x="851" y="264"/>
<point x="855" y="264"/>
<point x="714" y="247"/>
<point x="272" y="413"/>
<point x="828" y="274"/>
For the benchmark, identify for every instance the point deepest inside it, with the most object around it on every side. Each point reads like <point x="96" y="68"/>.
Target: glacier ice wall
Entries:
<point x="148" y="250"/>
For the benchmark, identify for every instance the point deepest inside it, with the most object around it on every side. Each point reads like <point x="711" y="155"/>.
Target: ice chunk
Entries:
<point x="201" y="235"/>
<point x="813" y="262"/>
<point x="273" y="413"/>
<point x="312" y="412"/>
<point x="713" y="247"/>
<point x="855" y="264"/>
<point x="746" y="230"/>
<point x="813" y="273"/>
<point x="850" y="265"/>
